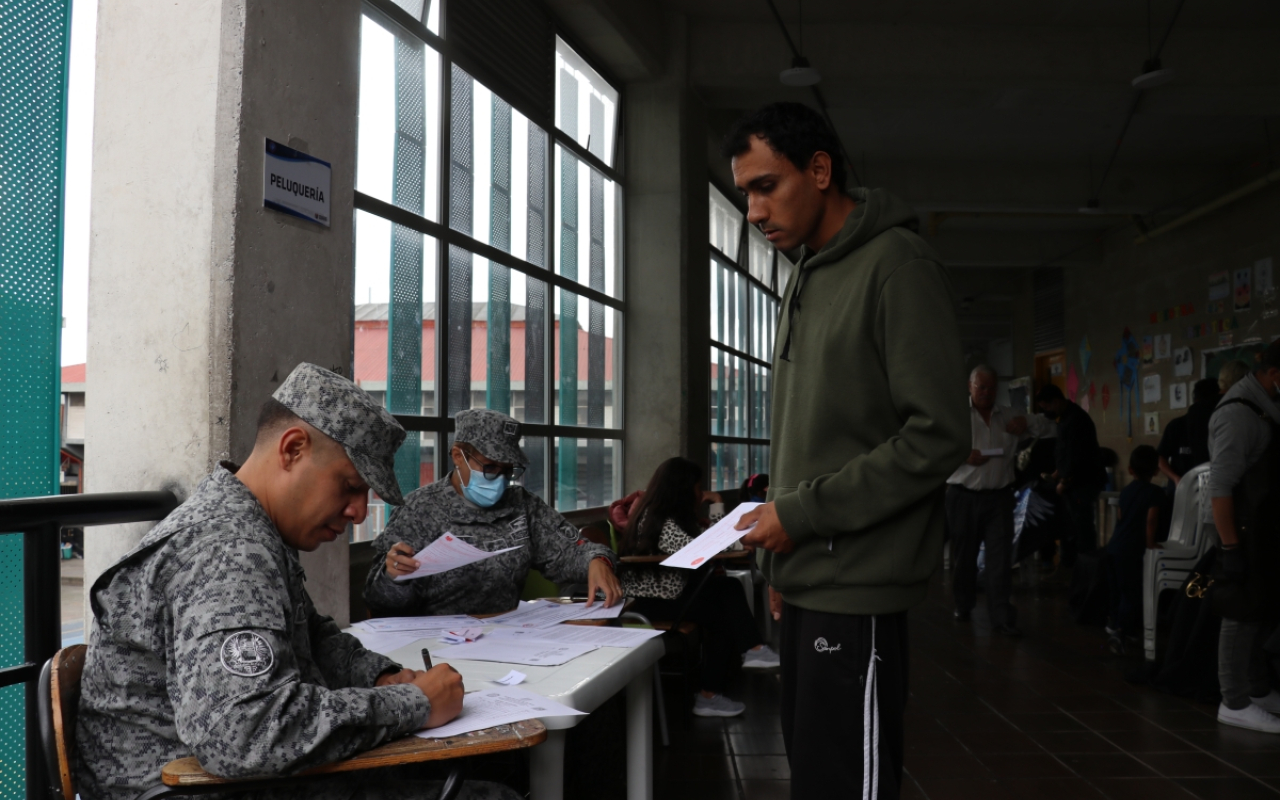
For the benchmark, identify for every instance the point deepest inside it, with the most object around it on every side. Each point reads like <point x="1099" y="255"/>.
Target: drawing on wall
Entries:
<point x="1073" y="383"/>
<point x="1242" y="282"/>
<point x="1152" y="427"/>
<point x="1151" y="389"/>
<point x="1148" y="349"/>
<point x="1126" y="364"/>
<point x="1086" y="353"/>
<point x="1182" y="362"/>
<point x="1263" y="285"/>
<point x="1177" y="395"/>
<point x="1164" y="346"/>
<point x="1219" y="287"/>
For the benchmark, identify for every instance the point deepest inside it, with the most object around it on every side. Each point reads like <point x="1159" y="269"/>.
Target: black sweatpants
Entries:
<point x="974" y="518"/>
<point x="843" y="738"/>
<point x="721" y="611"/>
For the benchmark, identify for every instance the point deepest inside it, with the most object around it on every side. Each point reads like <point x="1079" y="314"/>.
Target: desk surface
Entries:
<point x="409" y="750"/>
<point x="583" y="683"/>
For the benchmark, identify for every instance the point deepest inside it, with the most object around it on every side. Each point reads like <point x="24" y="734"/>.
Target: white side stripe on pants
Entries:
<point x="871" y="727"/>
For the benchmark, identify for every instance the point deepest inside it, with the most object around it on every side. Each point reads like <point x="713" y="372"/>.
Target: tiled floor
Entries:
<point x="1047" y="717"/>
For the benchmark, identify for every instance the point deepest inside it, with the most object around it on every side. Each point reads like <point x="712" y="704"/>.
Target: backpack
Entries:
<point x="1190" y="664"/>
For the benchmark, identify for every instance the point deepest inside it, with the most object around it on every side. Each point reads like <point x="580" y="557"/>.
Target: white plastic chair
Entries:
<point x="1191" y="534"/>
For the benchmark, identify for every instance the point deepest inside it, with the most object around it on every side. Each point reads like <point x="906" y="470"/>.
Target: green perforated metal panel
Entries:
<point x="33" y="70"/>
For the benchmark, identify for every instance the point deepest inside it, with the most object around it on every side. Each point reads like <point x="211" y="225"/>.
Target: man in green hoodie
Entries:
<point x="868" y="423"/>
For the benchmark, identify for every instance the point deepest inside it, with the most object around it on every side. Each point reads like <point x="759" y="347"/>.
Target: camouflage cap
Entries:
<point x="494" y="434"/>
<point x="347" y="414"/>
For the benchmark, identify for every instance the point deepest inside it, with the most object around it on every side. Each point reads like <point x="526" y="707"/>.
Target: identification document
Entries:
<point x="714" y="540"/>
<point x="535" y="653"/>
<point x="446" y="553"/>
<point x="498" y="706"/>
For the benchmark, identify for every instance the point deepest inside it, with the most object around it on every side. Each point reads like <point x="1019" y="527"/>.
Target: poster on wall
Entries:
<point x="1164" y="346"/>
<point x="1152" y="426"/>
<point x="1126" y="364"/>
<point x="1086" y="355"/>
<point x="1182" y="362"/>
<point x="1177" y="395"/>
<point x="1148" y="349"/>
<point x="1242" y="282"/>
<point x="1151" y="389"/>
<point x="1262" y="279"/>
<point x="1219" y="287"/>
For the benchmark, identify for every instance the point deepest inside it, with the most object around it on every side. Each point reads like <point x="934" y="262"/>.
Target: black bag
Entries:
<point x="1190" y="664"/>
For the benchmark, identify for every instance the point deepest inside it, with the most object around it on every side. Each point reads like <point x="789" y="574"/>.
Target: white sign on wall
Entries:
<point x="296" y="183"/>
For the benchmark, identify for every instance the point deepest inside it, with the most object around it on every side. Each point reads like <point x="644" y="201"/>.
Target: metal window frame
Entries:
<point x="737" y="265"/>
<point x="399" y="22"/>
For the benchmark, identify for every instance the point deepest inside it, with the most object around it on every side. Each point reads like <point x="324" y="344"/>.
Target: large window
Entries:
<point x="747" y="277"/>
<point x="488" y="242"/>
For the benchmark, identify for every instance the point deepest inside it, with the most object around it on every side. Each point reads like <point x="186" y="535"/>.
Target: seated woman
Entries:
<point x="664" y="520"/>
<point x="754" y="489"/>
<point x="476" y="503"/>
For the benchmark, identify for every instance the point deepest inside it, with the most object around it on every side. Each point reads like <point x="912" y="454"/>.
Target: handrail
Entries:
<point x="105" y="508"/>
<point x="39" y="520"/>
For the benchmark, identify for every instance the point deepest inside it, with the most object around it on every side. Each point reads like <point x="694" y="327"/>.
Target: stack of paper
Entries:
<point x="498" y="706"/>
<point x="535" y="653"/>
<point x="388" y="624"/>
<point x="577" y="634"/>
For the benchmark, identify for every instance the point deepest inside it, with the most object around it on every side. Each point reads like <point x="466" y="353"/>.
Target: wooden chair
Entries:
<point x="59" y="700"/>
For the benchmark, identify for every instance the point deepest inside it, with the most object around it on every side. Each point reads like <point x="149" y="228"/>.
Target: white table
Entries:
<point x="584" y="683"/>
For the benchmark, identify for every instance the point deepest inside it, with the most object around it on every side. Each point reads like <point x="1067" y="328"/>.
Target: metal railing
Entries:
<point x="39" y="520"/>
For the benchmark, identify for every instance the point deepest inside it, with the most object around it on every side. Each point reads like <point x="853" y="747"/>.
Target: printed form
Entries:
<point x="713" y="541"/>
<point x="535" y="653"/>
<point x="446" y="553"/>
<point x="498" y="706"/>
<point x="576" y="634"/>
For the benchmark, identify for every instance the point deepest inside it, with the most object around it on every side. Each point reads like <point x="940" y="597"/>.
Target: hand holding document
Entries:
<point x="714" y="540"/>
<point x="446" y="553"/>
<point x="498" y="706"/>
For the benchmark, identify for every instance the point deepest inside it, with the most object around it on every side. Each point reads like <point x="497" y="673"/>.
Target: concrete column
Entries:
<point x="201" y="300"/>
<point x="667" y="278"/>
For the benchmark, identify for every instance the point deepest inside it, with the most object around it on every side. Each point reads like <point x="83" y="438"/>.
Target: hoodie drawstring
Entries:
<point x="793" y="309"/>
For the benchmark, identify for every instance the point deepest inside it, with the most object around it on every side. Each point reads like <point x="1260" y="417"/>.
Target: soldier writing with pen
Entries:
<point x="479" y="502"/>
<point x="205" y="641"/>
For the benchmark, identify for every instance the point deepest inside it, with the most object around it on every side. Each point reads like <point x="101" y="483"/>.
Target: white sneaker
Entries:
<point x="1251" y="717"/>
<point x="1269" y="704"/>
<point x="717" y="706"/>
<point x="762" y="657"/>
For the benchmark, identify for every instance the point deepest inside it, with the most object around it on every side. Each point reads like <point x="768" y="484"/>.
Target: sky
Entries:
<point x="75" y="253"/>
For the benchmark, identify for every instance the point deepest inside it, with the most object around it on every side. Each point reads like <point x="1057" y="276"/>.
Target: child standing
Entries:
<point x="1138" y="522"/>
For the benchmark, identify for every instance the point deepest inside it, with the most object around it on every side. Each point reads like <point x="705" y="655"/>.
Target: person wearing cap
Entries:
<point x="205" y="643"/>
<point x="1079" y="472"/>
<point x="478" y="503"/>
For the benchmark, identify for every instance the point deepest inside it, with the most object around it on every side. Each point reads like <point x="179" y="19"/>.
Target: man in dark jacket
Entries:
<point x="869" y="420"/>
<point x="1079" y="472"/>
<point x="1185" y="444"/>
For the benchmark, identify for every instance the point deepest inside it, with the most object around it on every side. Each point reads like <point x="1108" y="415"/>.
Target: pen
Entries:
<point x="426" y="658"/>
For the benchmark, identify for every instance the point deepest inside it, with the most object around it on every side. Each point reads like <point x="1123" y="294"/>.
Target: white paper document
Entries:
<point x="712" y="541"/>
<point x="432" y="626"/>
<point x="498" y="706"/>
<point x="992" y="452"/>
<point x="511" y="678"/>
<point x="539" y="614"/>
<point x="461" y="635"/>
<point x="380" y="642"/>
<point x="535" y="653"/>
<point x="599" y="610"/>
<point x="576" y="634"/>
<point x="446" y="553"/>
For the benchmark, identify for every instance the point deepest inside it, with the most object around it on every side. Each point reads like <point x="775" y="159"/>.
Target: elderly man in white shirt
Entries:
<point x="980" y="500"/>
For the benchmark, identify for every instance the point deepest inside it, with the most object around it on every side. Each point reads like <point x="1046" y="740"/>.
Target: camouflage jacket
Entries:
<point x="205" y="643"/>
<point x="550" y="544"/>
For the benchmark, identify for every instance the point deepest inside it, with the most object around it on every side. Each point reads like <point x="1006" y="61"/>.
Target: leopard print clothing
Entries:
<point x="653" y="581"/>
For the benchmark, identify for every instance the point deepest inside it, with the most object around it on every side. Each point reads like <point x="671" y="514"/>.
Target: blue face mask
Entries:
<point x="482" y="491"/>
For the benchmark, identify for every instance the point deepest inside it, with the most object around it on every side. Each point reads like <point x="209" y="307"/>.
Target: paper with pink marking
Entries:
<point x="713" y="540"/>
<point x="446" y="553"/>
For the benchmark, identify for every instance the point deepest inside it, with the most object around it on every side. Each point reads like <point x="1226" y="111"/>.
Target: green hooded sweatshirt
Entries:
<point x="869" y="416"/>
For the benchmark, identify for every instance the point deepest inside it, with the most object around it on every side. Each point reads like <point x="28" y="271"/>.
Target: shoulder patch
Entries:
<point x="247" y="654"/>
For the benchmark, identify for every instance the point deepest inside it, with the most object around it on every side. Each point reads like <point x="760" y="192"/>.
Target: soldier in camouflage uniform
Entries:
<point x="475" y="503"/>
<point x="205" y="642"/>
